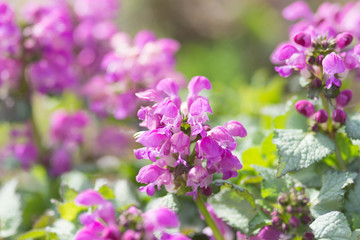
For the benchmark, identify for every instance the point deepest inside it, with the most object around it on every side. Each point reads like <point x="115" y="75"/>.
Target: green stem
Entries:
<point x="325" y="104"/>
<point x="339" y="158"/>
<point x="208" y="218"/>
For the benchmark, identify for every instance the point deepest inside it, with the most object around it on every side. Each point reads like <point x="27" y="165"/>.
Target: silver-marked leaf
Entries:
<point x="331" y="226"/>
<point x="352" y="126"/>
<point x="299" y="150"/>
<point x="169" y="201"/>
<point x="352" y="202"/>
<point x="332" y="192"/>
<point x="10" y="212"/>
<point x="232" y="206"/>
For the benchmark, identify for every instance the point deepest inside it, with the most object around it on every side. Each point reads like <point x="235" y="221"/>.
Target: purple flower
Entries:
<point x="159" y="219"/>
<point x="89" y="198"/>
<point x="343" y="39"/>
<point x="26" y="153"/>
<point x="153" y="176"/>
<point x="343" y="98"/>
<point x="269" y="233"/>
<point x="236" y="129"/>
<point x="61" y="162"/>
<point x="305" y="108"/>
<point x="297" y="10"/>
<point x="321" y="116"/>
<point x="333" y="64"/>
<point x="303" y="39"/>
<point x="339" y="115"/>
<point x="332" y="81"/>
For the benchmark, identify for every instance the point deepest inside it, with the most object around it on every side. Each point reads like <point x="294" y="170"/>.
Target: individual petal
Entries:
<point x="149" y="95"/>
<point x="236" y="129"/>
<point x="269" y="233"/>
<point x="209" y="148"/>
<point x="159" y="219"/>
<point x="297" y="10"/>
<point x="343" y="98"/>
<point x="168" y="86"/>
<point x="89" y="198"/>
<point x="197" y="84"/>
<point x="333" y="63"/>
<point x="303" y="39"/>
<point x="152" y="138"/>
<point x="284" y="71"/>
<point x="332" y="81"/>
<point x="180" y="142"/>
<point x="284" y="52"/>
<point x="223" y="137"/>
<point x="297" y="61"/>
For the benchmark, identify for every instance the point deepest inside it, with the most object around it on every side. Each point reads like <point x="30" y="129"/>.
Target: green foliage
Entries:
<point x="299" y="150"/>
<point x="331" y="226"/>
<point x="169" y="201"/>
<point x="10" y="209"/>
<point x="352" y="126"/>
<point x="352" y="202"/>
<point x="332" y="192"/>
<point x="271" y="185"/>
<point x="232" y="206"/>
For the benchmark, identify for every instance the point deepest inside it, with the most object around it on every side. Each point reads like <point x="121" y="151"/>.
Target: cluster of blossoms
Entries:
<point x="101" y="223"/>
<point x="320" y="118"/>
<point x="320" y="48"/>
<point x="130" y="67"/>
<point x="66" y="135"/>
<point x="21" y="147"/>
<point x="185" y="151"/>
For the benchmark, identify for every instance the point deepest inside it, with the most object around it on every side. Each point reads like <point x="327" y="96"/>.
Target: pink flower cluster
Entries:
<point x="66" y="135"/>
<point x="103" y="224"/>
<point x="185" y="151"/>
<point x="130" y="67"/>
<point x="318" y="45"/>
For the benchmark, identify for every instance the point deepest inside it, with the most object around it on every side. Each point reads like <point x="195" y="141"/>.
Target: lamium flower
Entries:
<point x="101" y="221"/>
<point x="185" y="151"/>
<point x="305" y="107"/>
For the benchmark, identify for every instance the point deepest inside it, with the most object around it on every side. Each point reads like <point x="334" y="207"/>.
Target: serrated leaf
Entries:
<point x="332" y="192"/>
<point x="352" y="126"/>
<point x="63" y="230"/>
<point x="271" y="185"/>
<point x="245" y="193"/>
<point x="231" y="206"/>
<point x="169" y="201"/>
<point x="352" y="202"/>
<point x="33" y="234"/>
<point x="125" y="194"/>
<point x="10" y="212"/>
<point x="299" y="150"/>
<point x="331" y="226"/>
<point x="259" y="221"/>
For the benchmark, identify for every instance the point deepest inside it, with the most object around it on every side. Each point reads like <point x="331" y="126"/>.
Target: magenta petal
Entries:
<point x="284" y="52"/>
<point x="333" y="63"/>
<point x="269" y="233"/>
<point x="297" y="10"/>
<point x="158" y="219"/>
<point x="149" y="95"/>
<point x="284" y="71"/>
<point x="197" y="84"/>
<point x="236" y="129"/>
<point x="89" y="198"/>
<point x="168" y="86"/>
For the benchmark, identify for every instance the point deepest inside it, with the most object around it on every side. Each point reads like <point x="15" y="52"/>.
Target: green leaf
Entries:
<point x="218" y="184"/>
<point x="355" y="235"/>
<point x="352" y="202"/>
<point x="10" y="212"/>
<point x="271" y="185"/>
<point x="169" y="201"/>
<point x="348" y="150"/>
<point x="233" y="207"/>
<point x="259" y="221"/>
<point x="69" y="210"/>
<point x="62" y="229"/>
<point x="331" y="226"/>
<point x="332" y="192"/>
<point x="106" y="192"/>
<point x="45" y="220"/>
<point x="36" y="233"/>
<point x="125" y="194"/>
<point x="352" y="126"/>
<point x="299" y="150"/>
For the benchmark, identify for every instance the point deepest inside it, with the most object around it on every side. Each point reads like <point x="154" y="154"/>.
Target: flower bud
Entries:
<point x="283" y="200"/>
<point x="339" y="115"/>
<point x="308" y="236"/>
<point x="317" y="83"/>
<point x="294" y="222"/>
<point x="276" y="221"/>
<point x="343" y="98"/>
<point x="343" y="39"/>
<point x="206" y="191"/>
<point x="311" y="60"/>
<point x="319" y="59"/>
<point x="303" y="39"/>
<point x="305" y="108"/>
<point x="321" y="116"/>
<point x="306" y="219"/>
<point x="324" y="44"/>
<point x="289" y="209"/>
<point x="284" y="227"/>
<point x="315" y="128"/>
<point x="305" y="201"/>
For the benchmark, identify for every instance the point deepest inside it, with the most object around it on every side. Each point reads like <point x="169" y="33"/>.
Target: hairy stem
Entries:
<point x="325" y="103"/>
<point x="339" y="158"/>
<point x="208" y="218"/>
